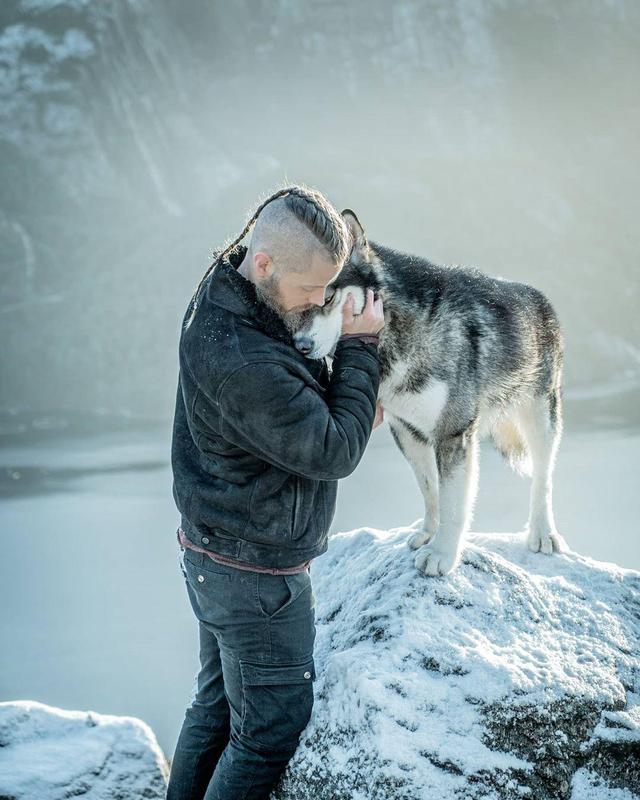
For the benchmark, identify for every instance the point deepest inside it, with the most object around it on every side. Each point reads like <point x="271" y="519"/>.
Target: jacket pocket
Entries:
<point x="296" y="506"/>
<point x="309" y="517"/>
<point x="272" y="504"/>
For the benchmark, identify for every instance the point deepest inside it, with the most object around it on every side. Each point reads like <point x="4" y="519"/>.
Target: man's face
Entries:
<point x="292" y="293"/>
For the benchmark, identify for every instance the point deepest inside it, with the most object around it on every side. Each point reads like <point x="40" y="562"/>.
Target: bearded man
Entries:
<point x="261" y="437"/>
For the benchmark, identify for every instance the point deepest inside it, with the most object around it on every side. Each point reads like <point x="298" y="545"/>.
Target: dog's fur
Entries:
<point x="462" y="355"/>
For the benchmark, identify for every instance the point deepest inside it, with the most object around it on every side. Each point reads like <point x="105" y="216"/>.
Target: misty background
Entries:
<point x="138" y="135"/>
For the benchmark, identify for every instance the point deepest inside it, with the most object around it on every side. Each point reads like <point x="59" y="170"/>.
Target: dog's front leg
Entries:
<point x="426" y="469"/>
<point x="457" y="459"/>
<point x="421" y="454"/>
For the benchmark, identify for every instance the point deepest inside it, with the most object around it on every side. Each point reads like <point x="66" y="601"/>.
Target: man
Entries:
<point x="261" y="436"/>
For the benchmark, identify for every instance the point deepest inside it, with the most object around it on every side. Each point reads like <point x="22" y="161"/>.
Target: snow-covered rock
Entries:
<point x="515" y="676"/>
<point x="48" y="753"/>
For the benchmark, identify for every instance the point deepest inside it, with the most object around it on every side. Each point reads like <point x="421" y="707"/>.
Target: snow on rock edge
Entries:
<point x="49" y="753"/>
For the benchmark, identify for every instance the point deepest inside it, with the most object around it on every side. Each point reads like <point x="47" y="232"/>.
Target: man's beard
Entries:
<point x="268" y="292"/>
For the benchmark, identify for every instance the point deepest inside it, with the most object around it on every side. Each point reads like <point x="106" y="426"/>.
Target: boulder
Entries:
<point x="517" y="675"/>
<point x="48" y="753"/>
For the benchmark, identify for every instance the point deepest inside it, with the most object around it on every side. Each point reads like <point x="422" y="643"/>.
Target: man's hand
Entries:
<point x="371" y="320"/>
<point x="377" y="420"/>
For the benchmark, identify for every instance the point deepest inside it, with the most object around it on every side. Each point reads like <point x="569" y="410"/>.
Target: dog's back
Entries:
<point x="494" y="342"/>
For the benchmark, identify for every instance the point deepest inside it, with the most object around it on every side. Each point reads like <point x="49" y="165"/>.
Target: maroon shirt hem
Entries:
<point x="239" y="564"/>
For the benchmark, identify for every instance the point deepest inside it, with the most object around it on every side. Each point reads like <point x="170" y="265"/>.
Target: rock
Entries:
<point x="515" y="676"/>
<point x="49" y="753"/>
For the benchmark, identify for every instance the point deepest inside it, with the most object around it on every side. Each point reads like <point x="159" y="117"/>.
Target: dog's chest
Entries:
<point x="423" y="408"/>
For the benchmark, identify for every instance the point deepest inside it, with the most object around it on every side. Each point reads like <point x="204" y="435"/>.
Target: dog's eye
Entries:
<point x="329" y="293"/>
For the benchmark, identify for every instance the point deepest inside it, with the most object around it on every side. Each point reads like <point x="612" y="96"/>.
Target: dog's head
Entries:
<point x="322" y="325"/>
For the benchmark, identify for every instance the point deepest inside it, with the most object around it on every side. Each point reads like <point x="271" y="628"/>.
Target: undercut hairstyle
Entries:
<point x="291" y="226"/>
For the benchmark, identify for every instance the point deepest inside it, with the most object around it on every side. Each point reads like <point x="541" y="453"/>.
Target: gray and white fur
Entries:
<point x="462" y="355"/>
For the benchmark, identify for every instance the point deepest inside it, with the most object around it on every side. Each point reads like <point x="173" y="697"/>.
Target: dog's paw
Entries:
<point x="431" y="560"/>
<point x="545" y="541"/>
<point x="419" y="538"/>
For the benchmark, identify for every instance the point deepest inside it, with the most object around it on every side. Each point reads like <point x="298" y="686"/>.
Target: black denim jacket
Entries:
<point x="261" y="433"/>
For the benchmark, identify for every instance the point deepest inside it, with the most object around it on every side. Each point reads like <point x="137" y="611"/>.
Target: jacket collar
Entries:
<point x="228" y="289"/>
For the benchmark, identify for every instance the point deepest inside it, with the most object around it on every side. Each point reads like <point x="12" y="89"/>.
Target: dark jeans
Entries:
<point x="255" y="686"/>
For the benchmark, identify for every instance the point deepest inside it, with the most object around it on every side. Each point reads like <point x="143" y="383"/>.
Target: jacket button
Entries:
<point x="200" y="578"/>
<point x="205" y="540"/>
<point x="307" y="674"/>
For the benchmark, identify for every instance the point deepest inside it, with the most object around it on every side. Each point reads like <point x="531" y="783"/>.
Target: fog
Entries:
<point x="137" y="136"/>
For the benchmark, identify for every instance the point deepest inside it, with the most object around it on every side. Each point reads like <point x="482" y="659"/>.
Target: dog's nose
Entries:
<point x="304" y="344"/>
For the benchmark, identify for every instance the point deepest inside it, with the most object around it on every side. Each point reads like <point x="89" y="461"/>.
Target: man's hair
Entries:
<point x="292" y="225"/>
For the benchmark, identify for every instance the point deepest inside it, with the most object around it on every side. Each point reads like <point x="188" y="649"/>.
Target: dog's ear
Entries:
<point x="359" y="243"/>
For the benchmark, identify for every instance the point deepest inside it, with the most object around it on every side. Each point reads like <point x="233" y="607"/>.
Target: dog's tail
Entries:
<point x="508" y="438"/>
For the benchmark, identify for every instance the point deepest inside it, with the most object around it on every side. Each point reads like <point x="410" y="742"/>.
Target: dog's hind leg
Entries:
<point x="457" y="459"/>
<point x="541" y="422"/>
<point x="420" y="453"/>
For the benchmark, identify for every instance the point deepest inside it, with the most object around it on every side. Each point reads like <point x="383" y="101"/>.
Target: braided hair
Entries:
<point x="312" y="209"/>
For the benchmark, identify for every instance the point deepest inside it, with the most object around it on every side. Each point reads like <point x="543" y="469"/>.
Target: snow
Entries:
<point x="47" y="5"/>
<point x="48" y="753"/>
<point x="412" y="668"/>
<point x="14" y="39"/>
<point x="587" y="786"/>
<point x="626" y="724"/>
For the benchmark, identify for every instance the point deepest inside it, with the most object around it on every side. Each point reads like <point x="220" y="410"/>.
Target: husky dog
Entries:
<point x="462" y="355"/>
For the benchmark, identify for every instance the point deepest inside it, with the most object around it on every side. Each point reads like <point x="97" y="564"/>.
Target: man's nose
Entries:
<point x="304" y="344"/>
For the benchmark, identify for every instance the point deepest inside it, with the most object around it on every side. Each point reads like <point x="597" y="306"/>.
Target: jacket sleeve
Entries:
<point x="270" y="411"/>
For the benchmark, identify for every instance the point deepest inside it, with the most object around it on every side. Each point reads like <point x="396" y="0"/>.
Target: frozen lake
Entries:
<point x="94" y="610"/>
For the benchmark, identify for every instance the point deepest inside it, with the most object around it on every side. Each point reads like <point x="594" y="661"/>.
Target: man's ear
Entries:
<point x="359" y="244"/>
<point x="262" y="262"/>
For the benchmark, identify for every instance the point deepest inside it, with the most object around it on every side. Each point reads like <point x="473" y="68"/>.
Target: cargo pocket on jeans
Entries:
<point x="277" y="703"/>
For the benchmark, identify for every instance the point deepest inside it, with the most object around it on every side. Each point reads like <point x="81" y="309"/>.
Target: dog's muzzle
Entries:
<point x="304" y="344"/>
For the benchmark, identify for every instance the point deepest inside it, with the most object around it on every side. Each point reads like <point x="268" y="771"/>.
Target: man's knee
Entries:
<point x="208" y="716"/>
<point x="277" y="700"/>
